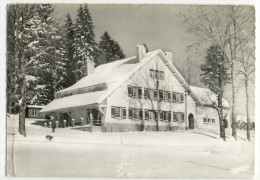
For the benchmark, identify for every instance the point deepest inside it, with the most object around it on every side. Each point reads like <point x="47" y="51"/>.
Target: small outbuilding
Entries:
<point x="33" y="111"/>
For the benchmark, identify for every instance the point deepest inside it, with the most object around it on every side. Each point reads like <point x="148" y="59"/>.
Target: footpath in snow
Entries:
<point x="75" y="153"/>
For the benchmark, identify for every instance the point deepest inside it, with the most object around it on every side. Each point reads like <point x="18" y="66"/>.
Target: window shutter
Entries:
<point x="161" y="115"/>
<point x="155" y="94"/>
<point x="146" y="114"/>
<point x="182" y="117"/>
<point x="175" y="117"/>
<point x="140" y="92"/>
<point x="113" y="112"/>
<point x="130" y="91"/>
<point x="151" y="73"/>
<point x="155" y="115"/>
<point x="140" y="114"/>
<point x="130" y="113"/>
<point x="169" y="96"/>
<point x="169" y="116"/>
<point x="124" y="113"/>
<point x="182" y="98"/>
<point x="160" y="95"/>
<point x="174" y="97"/>
<point x="146" y="93"/>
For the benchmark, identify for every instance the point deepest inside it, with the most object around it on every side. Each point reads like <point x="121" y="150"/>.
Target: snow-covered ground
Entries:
<point x="75" y="153"/>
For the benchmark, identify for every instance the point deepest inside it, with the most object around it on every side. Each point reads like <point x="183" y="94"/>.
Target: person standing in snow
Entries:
<point x="53" y="125"/>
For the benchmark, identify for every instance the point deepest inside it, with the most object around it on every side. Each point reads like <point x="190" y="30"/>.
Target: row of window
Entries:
<point x="137" y="113"/>
<point x="209" y="121"/>
<point x="156" y="74"/>
<point x="137" y="92"/>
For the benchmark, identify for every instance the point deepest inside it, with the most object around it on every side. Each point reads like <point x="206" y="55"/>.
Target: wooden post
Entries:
<point x="82" y="119"/>
<point x="73" y="122"/>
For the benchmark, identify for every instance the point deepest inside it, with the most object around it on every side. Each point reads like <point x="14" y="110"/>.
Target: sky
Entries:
<point x="130" y="25"/>
<point x="159" y="26"/>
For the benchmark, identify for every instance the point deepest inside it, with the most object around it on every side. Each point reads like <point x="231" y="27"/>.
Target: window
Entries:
<point x="169" y="96"/>
<point x="209" y="120"/>
<point x="124" y="113"/>
<point x="135" y="92"/>
<point x="161" y="115"/>
<point x="152" y="74"/>
<point x="178" y="117"/>
<point x="150" y="114"/>
<point x="33" y="112"/>
<point x="140" y="114"/>
<point x="175" y="117"/>
<point x="146" y="93"/>
<point x="165" y="95"/>
<point x="136" y="113"/>
<point x="182" y="117"/>
<point x="146" y="114"/>
<point x="155" y="115"/>
<point x="151" y="94"/>
<point x="213" y="121"/>
<point x="130" y="91"/>
<point x="117" y="112"/>
<point x="205" y="120"/>
<point x="161" y="75"/>
<point x="164" y="115"/>
<point x="157" y="74"/>
<point x="140" y="92"/>
<point x="130" y="113"/>
<point x="174" y="97"/>
<point x="113" y="112"/>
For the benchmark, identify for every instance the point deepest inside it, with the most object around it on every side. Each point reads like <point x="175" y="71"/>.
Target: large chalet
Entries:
<point x="135" y="92"/>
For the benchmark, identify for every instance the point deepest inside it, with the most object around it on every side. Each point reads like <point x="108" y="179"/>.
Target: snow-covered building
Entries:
<point x="33" y="111"/>
<point x="135" y="92"/>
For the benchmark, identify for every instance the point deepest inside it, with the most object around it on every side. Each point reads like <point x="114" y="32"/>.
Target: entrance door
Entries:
<point x="191" y="121"/>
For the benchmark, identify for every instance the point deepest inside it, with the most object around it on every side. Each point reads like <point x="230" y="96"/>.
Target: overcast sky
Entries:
<point x="156" y="25"/>
<point x="130" y="25"/>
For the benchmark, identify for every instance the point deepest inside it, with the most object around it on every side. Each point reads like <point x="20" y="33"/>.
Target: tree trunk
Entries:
<point x="233" y="58"/>
<point x="22" y="106"/>
<point x="247" y="110"/>
<point x="233" y="115"/>
<point x="158" y="105"/>
<point x="21" y="61"/>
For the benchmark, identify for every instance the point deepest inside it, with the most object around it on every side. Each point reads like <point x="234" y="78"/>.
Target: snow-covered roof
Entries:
<point x="35" y="106"/>
<point x="77" y="100"/>
<point x="114" y="74"/>
<point x="206" y="96"/>
<point x="105" y="73"/>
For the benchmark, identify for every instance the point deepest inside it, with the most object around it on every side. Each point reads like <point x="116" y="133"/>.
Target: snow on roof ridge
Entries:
<point x="102" y="69"/>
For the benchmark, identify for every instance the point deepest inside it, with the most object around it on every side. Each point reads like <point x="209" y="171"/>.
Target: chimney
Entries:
<point x="89" y="67"/>
<point x="140" y="52"/>
<point x="169" y="56"/>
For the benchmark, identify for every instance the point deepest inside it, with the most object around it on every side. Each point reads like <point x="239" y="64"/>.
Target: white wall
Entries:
<point x="142" y="79"/>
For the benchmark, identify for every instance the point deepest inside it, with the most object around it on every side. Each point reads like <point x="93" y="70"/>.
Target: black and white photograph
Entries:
<point x="129" y="90"/>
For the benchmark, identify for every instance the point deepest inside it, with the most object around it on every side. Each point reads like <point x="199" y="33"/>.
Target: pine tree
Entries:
<point x="18" y="55"/>
<point x="69" y="40"/>
<point x="84" y="44"/>
<point x="109" y="49"/>
<point x="48" y="58"/>
<point x="215" y="75"/>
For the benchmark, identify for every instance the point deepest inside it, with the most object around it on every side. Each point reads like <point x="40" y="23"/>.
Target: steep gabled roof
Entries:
<point x="116" y="73"/>
<point x="207" y="97"/>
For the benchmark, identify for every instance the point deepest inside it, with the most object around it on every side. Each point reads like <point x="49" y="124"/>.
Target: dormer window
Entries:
<point x="156" y="74"/>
